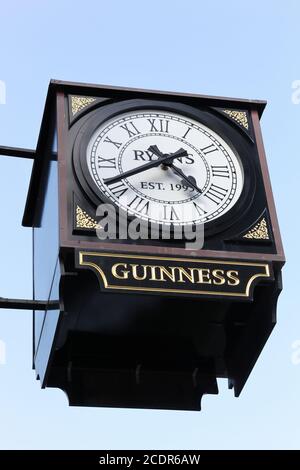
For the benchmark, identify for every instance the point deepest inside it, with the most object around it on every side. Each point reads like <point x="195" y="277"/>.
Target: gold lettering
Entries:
<point x="135" y="273"/>
<point x="123" y="274"/>
<point x="218" y="275"/>
<point x="153" y="273"/>
<point x="142" y="272"/>
<point x="233" y="276"/>
<point x="183" y="272"/>
<point x="163" y="271"/>
<point x="204" y="276"/>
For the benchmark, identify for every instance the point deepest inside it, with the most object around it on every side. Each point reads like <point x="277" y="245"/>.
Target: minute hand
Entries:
<point x="147" y="166"/>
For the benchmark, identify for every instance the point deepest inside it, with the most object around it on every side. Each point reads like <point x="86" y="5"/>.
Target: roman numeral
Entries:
<point x="186" y="133"/>
<point x="170" y="213"/>
<point x="137" y="205"/>
<point x="118" y="189"/>
<point x="216" y="193"/>
<point x="159" y="125"/>
<point x="220" y="170"/>
<point x="106" y="162"/>
<point x="199" y="209"/>
<point x="110" y="141"/>
<point x="210" y="148"/>
<point x="131" y="129"/>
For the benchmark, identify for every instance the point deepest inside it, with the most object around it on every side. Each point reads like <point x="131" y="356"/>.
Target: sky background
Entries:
<point x="227" y="48"/>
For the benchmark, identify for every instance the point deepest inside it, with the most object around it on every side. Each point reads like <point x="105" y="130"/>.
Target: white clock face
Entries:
<point x="209" y="184"/>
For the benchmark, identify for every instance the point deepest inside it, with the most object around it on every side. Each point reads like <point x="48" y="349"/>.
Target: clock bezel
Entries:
<point x="206" y="116"/>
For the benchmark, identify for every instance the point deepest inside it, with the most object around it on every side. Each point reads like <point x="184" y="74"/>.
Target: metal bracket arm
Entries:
<point x="22" y="304"/>
<point x="17" y="152"/>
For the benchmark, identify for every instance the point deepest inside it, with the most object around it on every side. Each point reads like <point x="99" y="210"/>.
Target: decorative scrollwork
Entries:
<point x="84" y="220"/>
<point x="259" y="231"/>
<point x="80" y="102"/>
<point x="238" y="116"/>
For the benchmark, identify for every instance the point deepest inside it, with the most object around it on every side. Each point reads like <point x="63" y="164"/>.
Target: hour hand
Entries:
<point x="154" y="149"/>
<point x="191" y="182"/>
<point x="187" y="180"/>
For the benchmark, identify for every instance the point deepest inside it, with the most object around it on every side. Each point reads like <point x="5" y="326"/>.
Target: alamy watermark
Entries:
<point x="295" y="97"/>
<point x="119" y="224"/>
<point x="2" y="353"/>
<point x="2" y="92"/>
<point x="295" y="356"/>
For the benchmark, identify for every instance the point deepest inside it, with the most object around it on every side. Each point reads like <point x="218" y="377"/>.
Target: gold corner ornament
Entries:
<point x="259" y="231"/>
<point x="84" y="220"/>
<point x="80" y="102"/>
<point x="238" y="116"/>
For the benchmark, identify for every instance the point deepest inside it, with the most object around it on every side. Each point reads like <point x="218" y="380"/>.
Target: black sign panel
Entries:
<point x="175" y="276"/>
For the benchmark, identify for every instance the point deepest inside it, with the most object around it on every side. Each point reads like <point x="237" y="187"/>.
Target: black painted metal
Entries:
<point x="17" y="152"/>
<point x="139" y="350"/>
<point x="23" y="304"/>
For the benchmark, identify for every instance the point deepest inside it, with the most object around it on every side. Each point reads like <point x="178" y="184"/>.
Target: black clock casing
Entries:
<point x="199" y="314"/>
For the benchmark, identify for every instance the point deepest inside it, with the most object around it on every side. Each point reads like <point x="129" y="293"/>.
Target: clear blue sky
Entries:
<point x="230" y="48"/>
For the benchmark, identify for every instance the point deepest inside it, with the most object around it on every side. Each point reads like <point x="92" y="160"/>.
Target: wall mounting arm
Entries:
<point x="17" y="152"/>
<point x="23" y="304"/>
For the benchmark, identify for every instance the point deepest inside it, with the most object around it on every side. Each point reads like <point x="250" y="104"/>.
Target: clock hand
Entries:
<point x="154" y="149"/>
<point x="191" y="180"/>
<point x="146" y="166"/>
<point x="188" y="179"/>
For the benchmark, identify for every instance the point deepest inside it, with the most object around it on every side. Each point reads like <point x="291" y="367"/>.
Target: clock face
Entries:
<point x="198" y="187"/>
